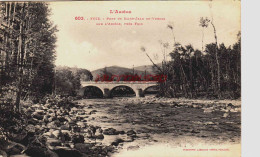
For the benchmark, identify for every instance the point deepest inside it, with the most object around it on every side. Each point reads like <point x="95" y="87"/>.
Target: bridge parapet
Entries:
<point x="119" y="82"/>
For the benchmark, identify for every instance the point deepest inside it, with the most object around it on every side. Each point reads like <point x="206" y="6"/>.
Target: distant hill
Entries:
<point x="117" y="70"/>
<point x="149" y="68"/>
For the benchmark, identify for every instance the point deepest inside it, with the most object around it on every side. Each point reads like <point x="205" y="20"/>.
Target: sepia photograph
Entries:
<point x="120" y="79"/>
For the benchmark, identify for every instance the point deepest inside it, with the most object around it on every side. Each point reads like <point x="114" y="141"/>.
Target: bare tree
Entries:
<point x="204" y="24"/>
<point x="170" y="26"/>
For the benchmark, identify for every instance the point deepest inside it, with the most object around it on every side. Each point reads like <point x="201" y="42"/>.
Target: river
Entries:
<point x="177" y="126"/>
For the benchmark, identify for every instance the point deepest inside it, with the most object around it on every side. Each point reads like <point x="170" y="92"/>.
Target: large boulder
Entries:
<point x="131" y="133"/>
<point x="83" y="147"/>
<point x="15" y="148"/>
<point x="110" y="131"/>
<point x="66" y="152"/>
<point x="56" y="133"/>
<point x="65" y="127"/>
<point x="78" y="139"/>
<point x="37" y="116"/>
<point x="99" y="136"/>
<point x="53" y="142"/>
<point x="38" y="151"/>
<point x="50" y="153"/>
<point x="81" y="124"/>
<point x="117" y="141"/>
<point x="3" y="153"/>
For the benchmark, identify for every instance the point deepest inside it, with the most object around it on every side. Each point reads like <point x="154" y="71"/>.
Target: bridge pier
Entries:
<point x="139" y="93"/>
<point x="106" y="93"/>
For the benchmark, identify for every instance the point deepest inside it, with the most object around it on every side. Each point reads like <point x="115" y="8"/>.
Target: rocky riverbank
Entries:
<point x="57" y="129"/>
<point x="104" y="127"/>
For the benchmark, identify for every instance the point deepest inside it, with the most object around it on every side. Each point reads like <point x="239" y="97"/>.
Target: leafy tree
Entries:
<point x="193" y="73"/>
<point x="67" y="80"/>
<point x="28" y="46"/>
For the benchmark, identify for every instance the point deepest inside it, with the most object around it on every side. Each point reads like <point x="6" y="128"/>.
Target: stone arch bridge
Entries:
<point x="106" y="87"/>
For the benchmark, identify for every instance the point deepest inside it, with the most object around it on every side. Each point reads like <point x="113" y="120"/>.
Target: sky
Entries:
<point x="83" y="44"/>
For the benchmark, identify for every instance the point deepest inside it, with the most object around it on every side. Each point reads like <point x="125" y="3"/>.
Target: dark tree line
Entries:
<point x="193" y="73"/>
<point x="67" y="80"/>
<point x="27" y="51"/>
<point x="214" y="71"/>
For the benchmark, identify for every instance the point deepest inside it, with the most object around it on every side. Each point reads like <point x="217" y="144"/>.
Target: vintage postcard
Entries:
<point x="120" y="79"/>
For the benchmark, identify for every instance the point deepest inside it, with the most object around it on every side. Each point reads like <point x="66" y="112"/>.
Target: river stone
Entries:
<point x="3" y="153"/>
<point x="58" y="112"/>
<point x="92" y="112"/>
<point x="110" y="131"/>
<point x="49" y="134"/>
<point x="72" y="122"/>
<point x="51" y="125"/>
<point x="16" y="148"/>
<point x="36" y="105"/>
<point x="65" y="137"/>
<point x="37" y="116"/>
<point x="121" y="132"/>
<point x="58" y="123"/>
<point x="51" y="114"/>
<point x="47" y="105"/>
<point x="74" y="109"/>
<point x="129" y="139"/>
<point x="65" y="127"/>
<point x="29" y="110"/>
<point x="53" y="142"/>
<point x="51" y="110"/>
<point x="98" y="130"/>
<point x="81" y="124"/>
<point x="46" y="118"/>
<point x="49" y="120"/>
<point x="78" y="139"/>
<point x="88" y="134"/>
<point x="225" y="115"/>
<point x="82" y="147"/>
<point x="39" y="127"/>
<point x="117" y="141"/>
<point x="40" y="111"/>
<point x="30" y="128"/>
<point x="36" y="151"/>
<point x="99" y="136"/>
<point x="66" y="152"/>
<point x="133" y="147"/>
<point x="76" y="129"/>
<point x="208" y="110"/>
<point x="81" y="113"/>
<point x="56" y="133"/>
<point x="231" y="105"/>
<point x="50" y="153"/>
<point x="131" y="133"/>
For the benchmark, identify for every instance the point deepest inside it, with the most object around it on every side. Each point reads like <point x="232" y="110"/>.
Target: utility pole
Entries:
<point x="145" y="73"/>
<point x="133" y="69"/>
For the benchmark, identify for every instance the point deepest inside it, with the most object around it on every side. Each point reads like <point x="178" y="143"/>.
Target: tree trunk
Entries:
<point x="21" y="48"/>
<point x="217" y="61"/>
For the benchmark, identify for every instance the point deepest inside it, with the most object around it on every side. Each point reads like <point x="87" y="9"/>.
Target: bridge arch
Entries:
<point x="122" y="90"/>
<point x="107" y="87"/>
<point x="91" y="92"/>
<point x="151" y="89"/>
